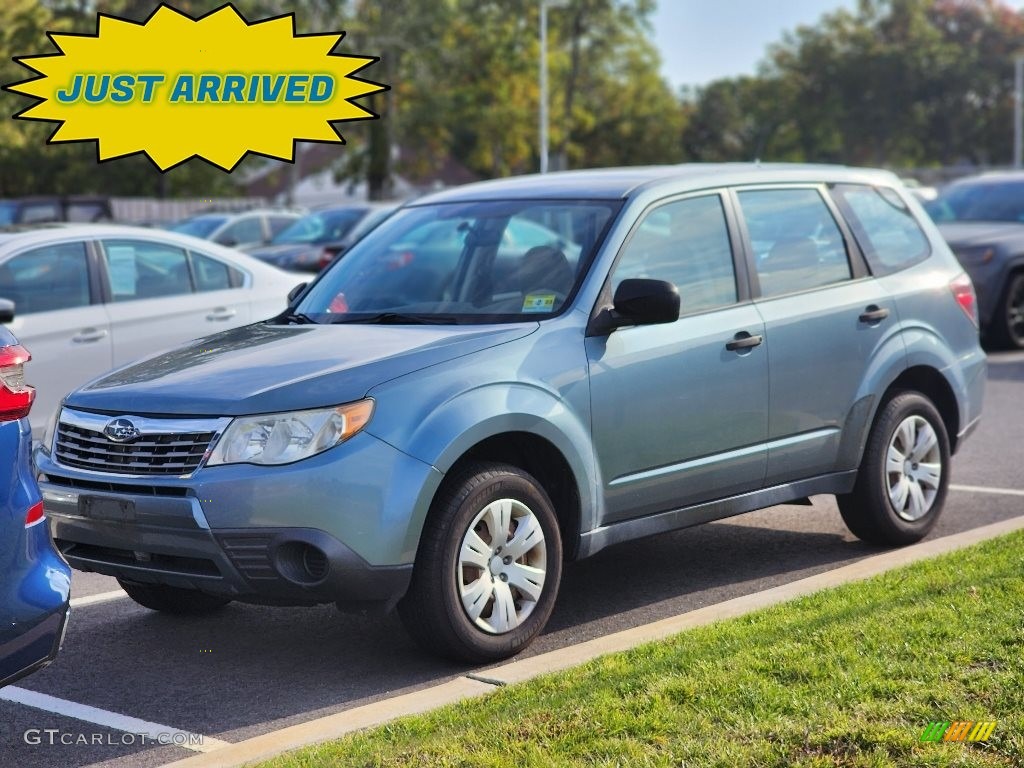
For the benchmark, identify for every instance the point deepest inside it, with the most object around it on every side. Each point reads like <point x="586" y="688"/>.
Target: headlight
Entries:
<point x="281" y="438"/>
<point x="51" y="427"/>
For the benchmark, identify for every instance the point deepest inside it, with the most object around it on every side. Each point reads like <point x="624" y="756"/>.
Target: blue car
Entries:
<point x="35" y="582"/>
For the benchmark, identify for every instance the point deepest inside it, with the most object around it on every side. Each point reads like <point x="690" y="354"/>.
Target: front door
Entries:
<point x="679" y="417"/>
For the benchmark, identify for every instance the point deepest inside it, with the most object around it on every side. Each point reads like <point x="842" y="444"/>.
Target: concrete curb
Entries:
<point x="334" y="726"/>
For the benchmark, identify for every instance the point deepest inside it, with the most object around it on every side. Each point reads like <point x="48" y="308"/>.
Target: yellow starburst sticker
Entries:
<point x="176" y="87"/>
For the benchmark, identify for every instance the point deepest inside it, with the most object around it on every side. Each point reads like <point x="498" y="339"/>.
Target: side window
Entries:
<point x="886" y="230"/>
<point x="47" y="278"/>
<point x="686" y="243"/>
<point x="34" y="213"/>
<point x="86" y="211"/>
<point x="145" y="270"/>
<point x="210" y="274"/>
<point x="246" y="230"/>
<point x="797" y="244"/>
<point x="278" y="223"/>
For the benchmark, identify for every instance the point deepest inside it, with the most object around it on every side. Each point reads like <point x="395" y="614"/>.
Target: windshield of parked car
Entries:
<point x="198" y="226"/>
<point x="478" y="262"/>
<point x="983" y="201"/>
<point x="320" y="227"/>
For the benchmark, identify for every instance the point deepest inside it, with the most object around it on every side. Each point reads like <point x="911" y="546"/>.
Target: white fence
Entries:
<point x="153" y="210"/>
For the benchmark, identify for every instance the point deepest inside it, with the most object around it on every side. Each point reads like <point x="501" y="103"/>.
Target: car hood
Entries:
<point x="964" y="234"/>
<point x="266" y="368"/>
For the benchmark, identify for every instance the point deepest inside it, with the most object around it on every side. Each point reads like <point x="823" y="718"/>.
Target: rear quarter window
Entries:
<point x="886" y="230"/>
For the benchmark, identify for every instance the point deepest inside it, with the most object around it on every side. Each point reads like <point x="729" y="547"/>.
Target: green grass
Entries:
<point x="845" y="677"/>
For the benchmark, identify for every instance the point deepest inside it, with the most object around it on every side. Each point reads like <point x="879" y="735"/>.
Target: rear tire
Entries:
<point x="904" y="474"/>
<point x="488" y="567"/>
<point x="1009" y="319"/>
<point x="159" y="597"/>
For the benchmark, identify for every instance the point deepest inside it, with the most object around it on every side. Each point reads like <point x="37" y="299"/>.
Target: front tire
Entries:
<point x="904" y="474"/>
<point x="160" y="597"/>
<point x="488" y="567"/>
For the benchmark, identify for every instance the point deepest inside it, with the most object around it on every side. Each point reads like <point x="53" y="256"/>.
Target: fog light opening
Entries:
<point x="302" y="563"/>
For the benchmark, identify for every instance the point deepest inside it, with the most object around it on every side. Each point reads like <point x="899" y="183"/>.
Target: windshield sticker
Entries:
<point x="539" y="302"/>
<point x="215" y="87"/>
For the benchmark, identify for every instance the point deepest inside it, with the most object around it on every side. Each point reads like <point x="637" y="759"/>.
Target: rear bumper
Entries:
<point x="25" y="650"/>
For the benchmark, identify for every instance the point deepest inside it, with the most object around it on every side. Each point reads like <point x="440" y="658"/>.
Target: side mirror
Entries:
<point x="294" y="292"/>
<point x="6" y="310"/>
<point x="640" y="302"/>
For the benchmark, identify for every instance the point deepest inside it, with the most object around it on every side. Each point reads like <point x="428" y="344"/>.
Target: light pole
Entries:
<point x="1018" y="97"/>
<point x="543" y="119"/>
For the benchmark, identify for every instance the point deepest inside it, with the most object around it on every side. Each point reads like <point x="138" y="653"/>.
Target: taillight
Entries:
<point x="34" y="514"/>
<point x="325" y="258"/>
<point x="15" y="395"/>
<point x="963" y="292"/>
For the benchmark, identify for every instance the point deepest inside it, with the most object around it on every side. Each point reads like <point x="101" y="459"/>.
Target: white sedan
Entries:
<point x="92" y="297"/>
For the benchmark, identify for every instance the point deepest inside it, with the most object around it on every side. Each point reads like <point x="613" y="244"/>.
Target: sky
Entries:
<point x="703" y="40"/>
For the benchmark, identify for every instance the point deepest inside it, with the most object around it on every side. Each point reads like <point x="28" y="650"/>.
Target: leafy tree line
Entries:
<point x="902" y="83"/>
<point x="464" y="86"/>
<point x="891" y="82"/>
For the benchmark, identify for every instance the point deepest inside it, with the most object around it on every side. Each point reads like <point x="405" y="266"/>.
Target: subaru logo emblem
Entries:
<point x="121" y="431"/>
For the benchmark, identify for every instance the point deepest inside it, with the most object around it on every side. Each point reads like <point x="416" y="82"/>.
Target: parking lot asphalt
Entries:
<point x="249" y="670"/>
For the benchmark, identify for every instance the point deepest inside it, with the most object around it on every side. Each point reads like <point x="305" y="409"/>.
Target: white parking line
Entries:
<point x="982" y="489"/>
<point x="161" y="734"/>
<point x="102" y="597"/>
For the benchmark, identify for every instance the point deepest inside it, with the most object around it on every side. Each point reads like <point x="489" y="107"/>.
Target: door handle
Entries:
<point x="221" y="313"/>
<point x="874" y="314"/>
<point x="89" y="335"/>
<point x="744" y="340"/>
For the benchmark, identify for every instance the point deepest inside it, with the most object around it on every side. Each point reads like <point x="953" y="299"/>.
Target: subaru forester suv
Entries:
<point x="513" y="374"/>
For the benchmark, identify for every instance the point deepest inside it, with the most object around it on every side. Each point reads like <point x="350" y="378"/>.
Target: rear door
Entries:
<point x="154" y="303"/>
<point x="59" y="319"/>
<point x="824" y="318"/>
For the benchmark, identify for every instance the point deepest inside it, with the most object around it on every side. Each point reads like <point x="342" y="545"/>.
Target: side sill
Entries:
<point x="599" y="538"/>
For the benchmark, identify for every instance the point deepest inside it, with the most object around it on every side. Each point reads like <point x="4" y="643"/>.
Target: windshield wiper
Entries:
<point x="294" y="318"/>
<point x="399" y="318"/>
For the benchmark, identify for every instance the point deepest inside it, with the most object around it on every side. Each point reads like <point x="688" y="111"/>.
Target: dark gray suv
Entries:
<point x="513" y="374"/>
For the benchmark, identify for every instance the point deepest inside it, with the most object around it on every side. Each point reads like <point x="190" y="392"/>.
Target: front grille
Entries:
<point x="137" y="490"/>
<point x="152" y="454"/>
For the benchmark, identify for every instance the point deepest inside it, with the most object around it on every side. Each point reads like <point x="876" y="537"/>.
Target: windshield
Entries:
<point x="321" y="227"/>
<point x="198" y="226"/>
<point x="500" y="261"/>
<point x="8" y="212"/>
<point x="986" y="201"/>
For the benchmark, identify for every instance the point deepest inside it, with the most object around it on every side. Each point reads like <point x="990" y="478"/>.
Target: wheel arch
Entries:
<point x="524" y="426"/>
<point x="931" y="383"/>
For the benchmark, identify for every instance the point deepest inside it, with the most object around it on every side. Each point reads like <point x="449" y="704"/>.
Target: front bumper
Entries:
<point x="339" y="527"/>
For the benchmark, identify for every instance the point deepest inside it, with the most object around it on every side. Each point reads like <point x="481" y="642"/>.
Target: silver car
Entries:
<point x="90" y="297"/>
